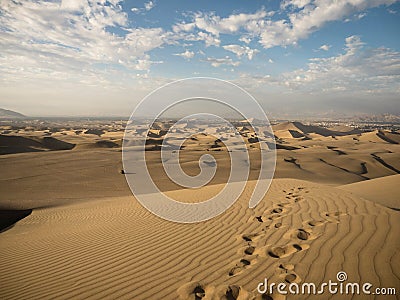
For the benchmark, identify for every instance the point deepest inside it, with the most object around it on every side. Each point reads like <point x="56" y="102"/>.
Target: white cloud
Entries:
<point x="325" y="47"/>
<point x="149" y="5"/>
<point x="183" y="27"/>
<point x="187" y="54"/>
<point x="304" y="18"/>
<point x="357" y="69"/>
<point x="179" y="35"/>
<point x="47" y="38"/>
<point x="270" y="61"/>
<point x="208" y="26"/>
<point x="240" y="51"/>
<point x="295" y="3"/>
<point x="362" y="15"/>
<point x="215" y="24"/>
<point x="311" y="17"/>
<point x="360" y="72"/>
<point x="245" y="39"/>
<point x="209" y="39"/>
<point x="217" y="62"/>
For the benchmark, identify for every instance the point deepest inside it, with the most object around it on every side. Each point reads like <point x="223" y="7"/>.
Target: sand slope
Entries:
<point x="10" y="144"/>
<point x="384" y="190"/>
<point x="298" y="130"/>
<point x="113" y="248"/>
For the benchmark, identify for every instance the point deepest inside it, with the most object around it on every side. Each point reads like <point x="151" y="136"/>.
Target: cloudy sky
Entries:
<point x="87" y="57"/>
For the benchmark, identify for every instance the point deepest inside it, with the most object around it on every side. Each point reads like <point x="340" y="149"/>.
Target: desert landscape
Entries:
<point x="200" y="150"/>
<point x="71" y="227"/>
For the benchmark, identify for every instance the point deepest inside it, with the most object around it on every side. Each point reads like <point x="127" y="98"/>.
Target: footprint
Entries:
<point x="279" y="252"/>
<point x="286" y="267"/>
<point x="231" y="292"/>
<point x="278" y="225"/>
<point x="239" y="267"/>
<point x="289" y="278"/>
<point x="259" y="219"/>
<point x="276" y="210"/>
<point x="315" y="223"/>
<point x="195" y="290"/>
<point x="274" y="217"/>
<point x="234" y="271"/>
<point x="334" y="216"/>
<point x="295" y="194"/>
<point x="199" y="292"/>
<point x="250" y="237"/>
<point x="303" y="235"/>
<point x="287" y="273"/>
<point x="249" y="250"/>
<point x="280" y="208"/>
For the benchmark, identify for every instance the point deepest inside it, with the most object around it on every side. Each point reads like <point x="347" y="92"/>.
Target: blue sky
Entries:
<point x="91" y="57"/>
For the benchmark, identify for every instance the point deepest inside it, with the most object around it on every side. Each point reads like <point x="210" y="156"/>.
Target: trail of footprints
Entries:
<point x="272" y="220"/>
<point x="252" y="252"/>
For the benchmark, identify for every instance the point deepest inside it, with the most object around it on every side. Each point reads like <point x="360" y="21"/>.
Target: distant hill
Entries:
<point x="299" y="130"/>
<point x="9" y="114"/>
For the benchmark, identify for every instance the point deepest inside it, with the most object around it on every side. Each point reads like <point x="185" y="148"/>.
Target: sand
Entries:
<point x="332" y="206"/>
<point x="114" y="248"/>
<point x="384" y="190"/>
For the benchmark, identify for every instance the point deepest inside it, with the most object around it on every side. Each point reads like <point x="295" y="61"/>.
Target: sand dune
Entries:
<point x="391" y="137"/>
<point x="92" y="171"/>
<point x="98" y="144"/>
<point x="298" y="130"/>
<point x="10" y="144"/>
<point x="378" y="136"/>
<point x="384" y="190"/>
<point x="114" y="248"/>
<point x="88" y="237"/>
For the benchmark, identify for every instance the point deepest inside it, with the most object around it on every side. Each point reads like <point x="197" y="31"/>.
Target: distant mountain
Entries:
<point x="9" y="114"/>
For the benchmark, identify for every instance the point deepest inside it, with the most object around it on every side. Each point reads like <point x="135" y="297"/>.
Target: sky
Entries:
<point x="296" y="57"/>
